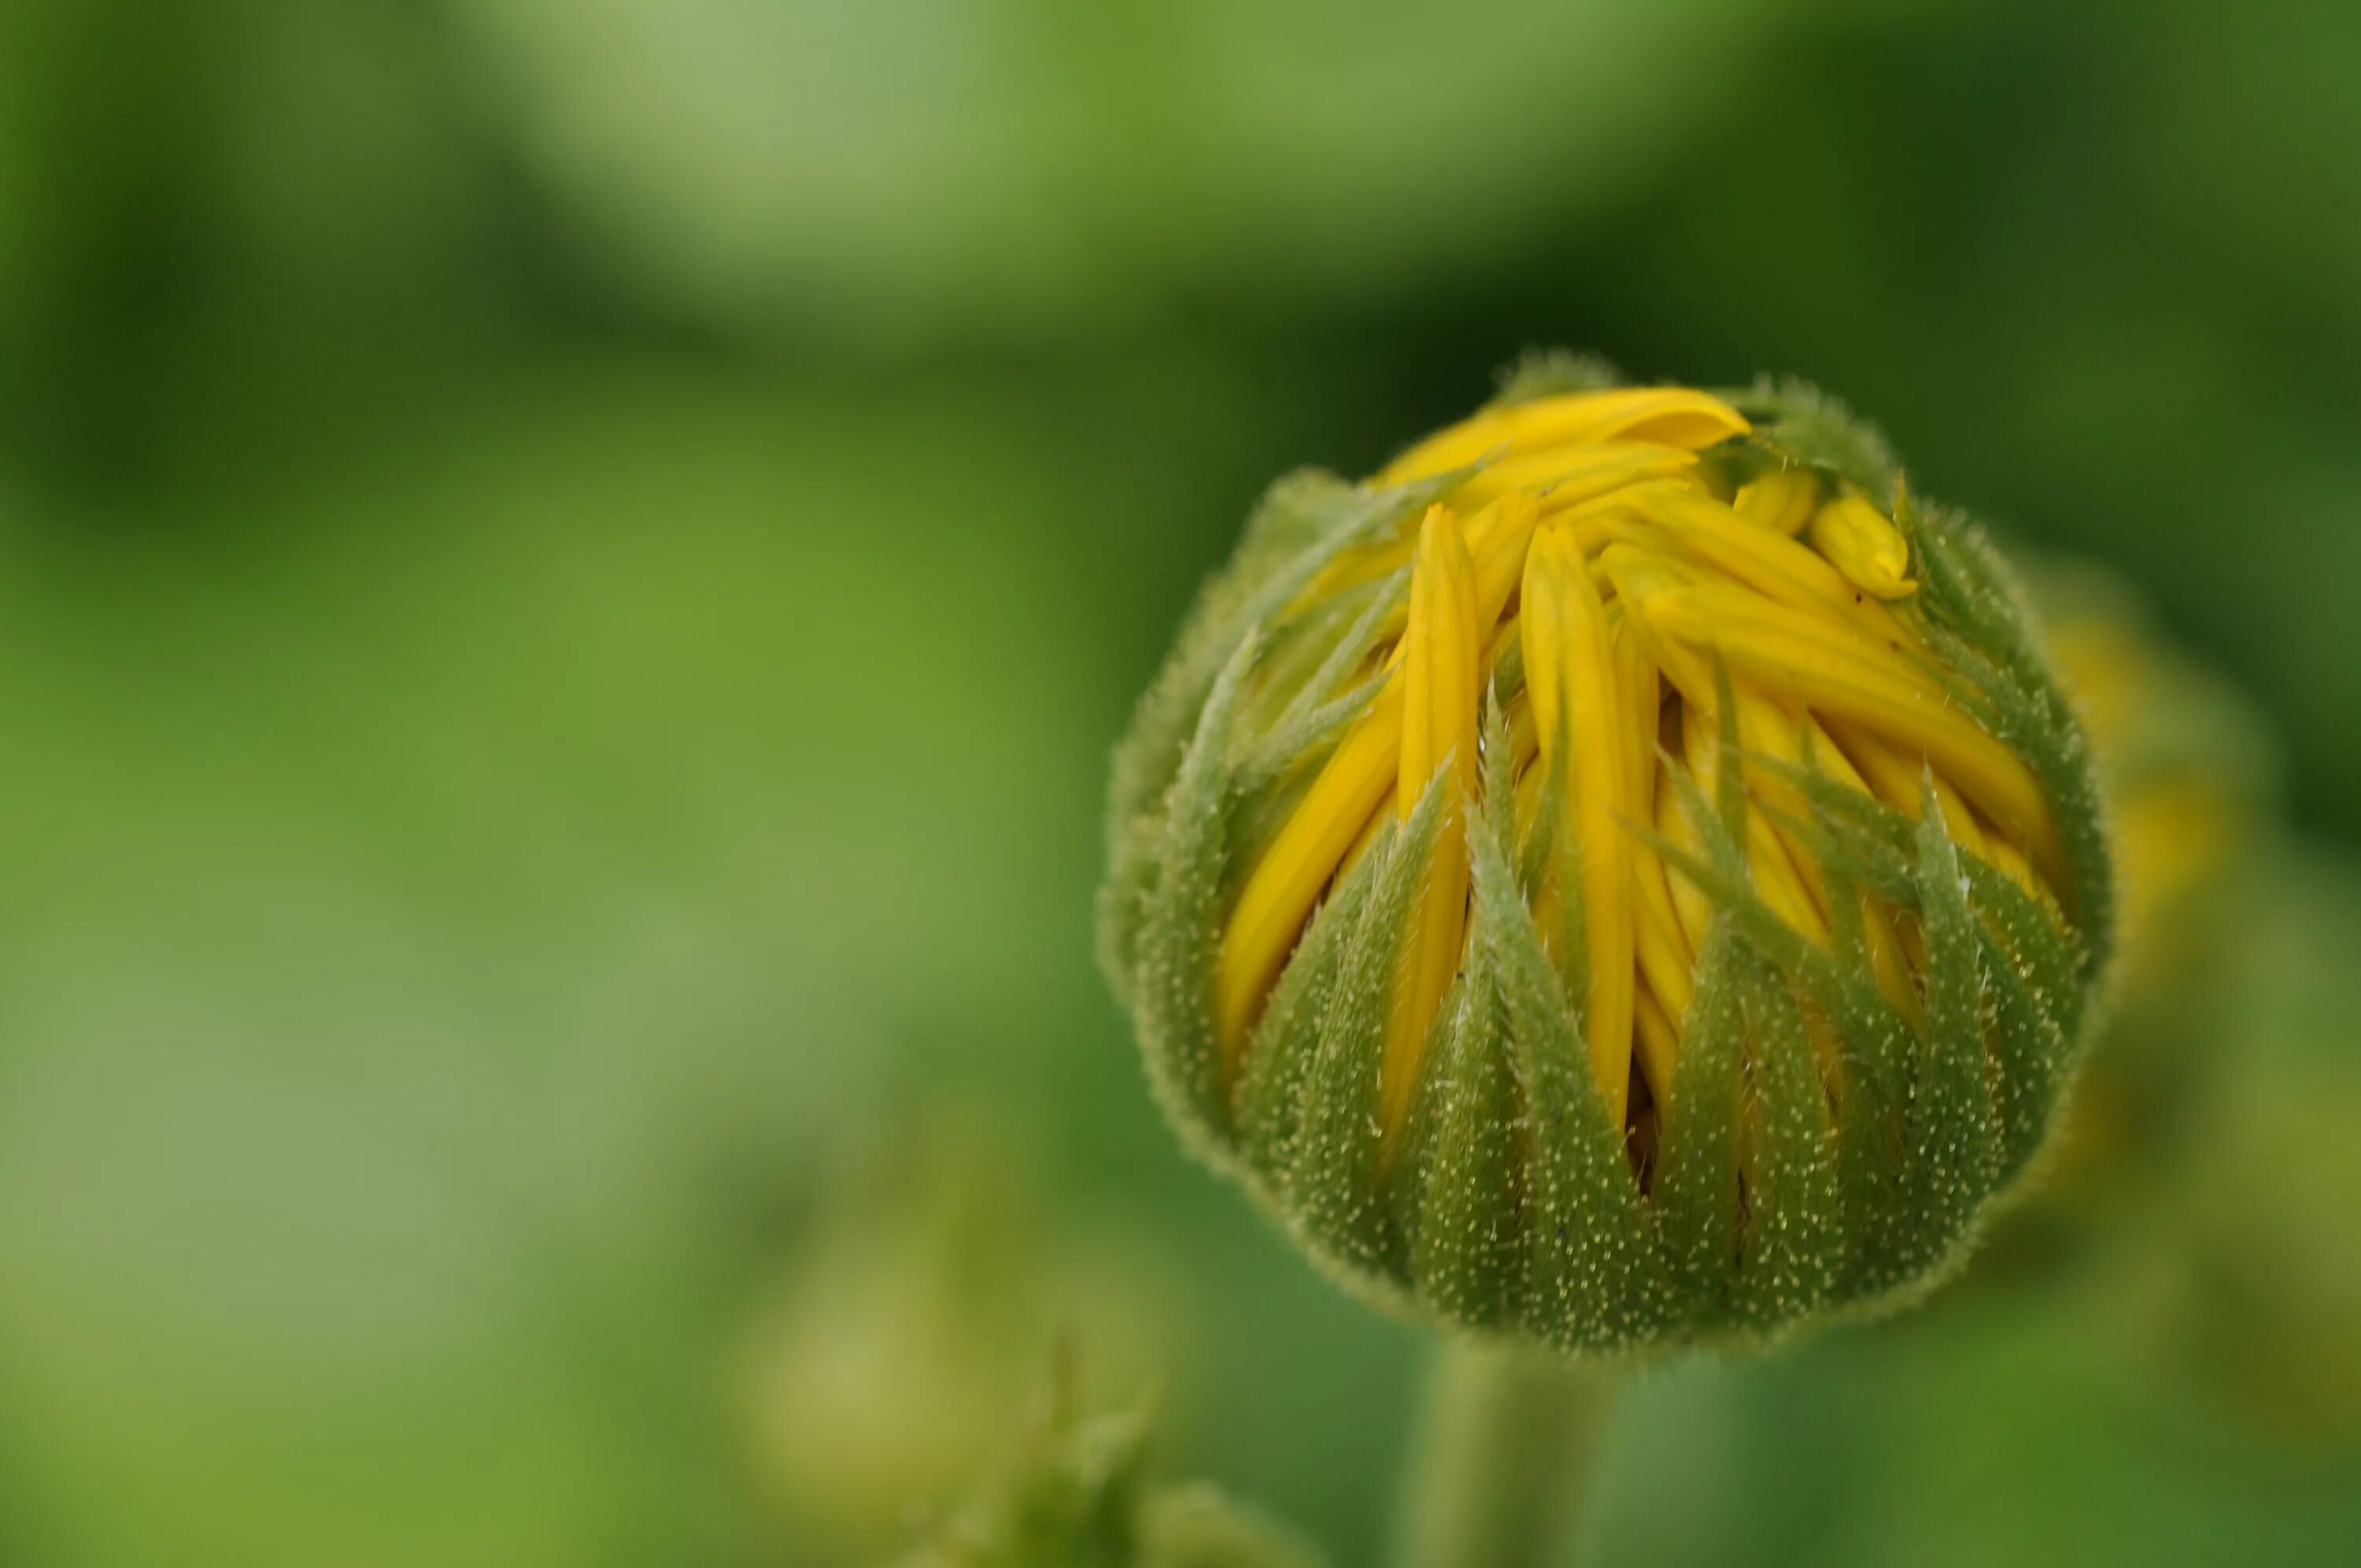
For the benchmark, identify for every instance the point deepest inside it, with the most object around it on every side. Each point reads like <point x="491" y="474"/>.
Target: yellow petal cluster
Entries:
<point x="1628" y="603"/>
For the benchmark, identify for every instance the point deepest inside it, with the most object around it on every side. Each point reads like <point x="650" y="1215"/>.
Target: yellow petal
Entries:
<point x="1817" y="664"/>
<point x="1668" y="416"/>
<point x="1639" y="576"/>
<point x="1440" y="677"/>
<point x="1779" y="879"/>
<point x="1563" y="475"/>
<point x="1672" y="416"/>
<point x="1572" y="672"/>
<point x="1896" y="780"/>
<point x="2010" y="861"/>
<point x="1778" y="568"/>
<point x="1781" y="500"/>
<point x="1496" y="537"/>
<point x="1439" y="663"/>
<point x="1665" y="960"/>
<point x="1664" y="952"/>
<point x="1860" y="543"/>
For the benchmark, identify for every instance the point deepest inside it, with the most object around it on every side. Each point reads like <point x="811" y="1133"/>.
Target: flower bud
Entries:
<point x="1624" y="874"/>
<point x="876" y="1370"/>
<point x="2188" y="770"/>
<point x="1074" y="1492"/>
<point x="2189" y="774"/>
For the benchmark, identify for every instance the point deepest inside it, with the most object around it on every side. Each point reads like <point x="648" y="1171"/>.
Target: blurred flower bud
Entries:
<point x="1075" y="1493"/>
<point x="2188" y="769"/>
<point x="876" y="1375"/>
<point x="1624" y="874"/>
<point x="2189" y="774"/>
<point x="2261" y="1291"/>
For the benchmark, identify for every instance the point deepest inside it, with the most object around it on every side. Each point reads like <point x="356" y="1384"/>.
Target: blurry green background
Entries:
<point x="568" y="570"/>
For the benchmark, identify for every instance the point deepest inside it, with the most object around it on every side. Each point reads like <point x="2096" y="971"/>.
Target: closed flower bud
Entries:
<point x="1624" y="874"/>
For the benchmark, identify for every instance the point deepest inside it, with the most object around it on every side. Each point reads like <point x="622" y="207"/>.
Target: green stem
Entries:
<point x="1502" y="1462"/>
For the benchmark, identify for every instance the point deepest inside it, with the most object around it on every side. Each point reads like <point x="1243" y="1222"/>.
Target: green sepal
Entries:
<point x="1552" y="849"/>
<point x="1724" y="865"/>
<point x="1794" y="1247"/>
<point x="1286" y="1040"/>
<point x="1954" y="1133"/>
<point x="1314" y="650"/>
<point x="1969" y="590"/>
<point x="1595" y="1273"/>
<point x="1309" y="517"/>
<point x="1304" y="737"/>
<point x="2034" y="1054"/>
<point x="1870" y="841"/>
<point x="1874" y="1088"/>
<point x="1337" y="1173"/>
<point x="1872" y="1100"/>
<point x="1493" y="746"/>
<point x="1463" y="1214"/>
<point x="2048" y="957"/>
<point x="1697" y="1193"/>
<point x="1730" y="796"/>
<point x="1273" y="775"/>
<point x="1878" y="846"/>
<point x="1538" y="856"/>
<point x="1802" y="424"/>
<point x="1553" y="372"/>
<point x="1508" y="673"/>
<point x="1180" y="934"/>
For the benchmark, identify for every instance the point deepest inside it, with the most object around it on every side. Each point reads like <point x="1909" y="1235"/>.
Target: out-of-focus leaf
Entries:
<point x="881" y="170"/>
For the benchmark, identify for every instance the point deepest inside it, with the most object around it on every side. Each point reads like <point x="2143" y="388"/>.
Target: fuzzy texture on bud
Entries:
<point x="1624" y="874"/>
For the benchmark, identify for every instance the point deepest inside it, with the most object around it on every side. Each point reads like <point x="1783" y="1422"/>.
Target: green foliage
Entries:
<point x="1075" y="1493"/>
<point x="570" y="569"/>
